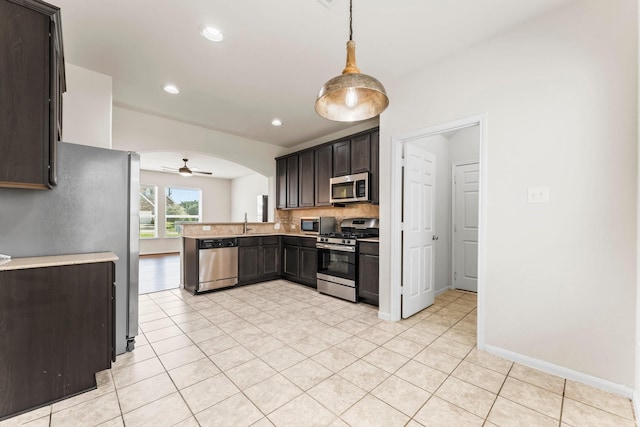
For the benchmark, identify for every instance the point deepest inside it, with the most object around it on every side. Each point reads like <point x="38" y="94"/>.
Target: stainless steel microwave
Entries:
<point x="350" y="188"/>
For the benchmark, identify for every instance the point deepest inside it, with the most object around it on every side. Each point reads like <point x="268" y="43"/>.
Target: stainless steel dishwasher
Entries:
<point x="217" y="263"/>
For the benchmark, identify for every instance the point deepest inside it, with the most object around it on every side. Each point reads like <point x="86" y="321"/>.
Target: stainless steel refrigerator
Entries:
<point x="94" y="208"/>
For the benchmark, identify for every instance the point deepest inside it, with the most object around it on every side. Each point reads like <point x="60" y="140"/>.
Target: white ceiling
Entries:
<point x="276" y="54"/>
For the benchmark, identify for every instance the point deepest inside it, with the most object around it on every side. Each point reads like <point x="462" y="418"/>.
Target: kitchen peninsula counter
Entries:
<point x="225" y="230"/>
<point x="56" y="260"/>
<point x="229" y="236"/>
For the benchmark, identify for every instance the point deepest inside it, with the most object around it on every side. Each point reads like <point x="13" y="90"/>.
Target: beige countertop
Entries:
<point x="228" y="236"/>
<point x="56" y="260"/>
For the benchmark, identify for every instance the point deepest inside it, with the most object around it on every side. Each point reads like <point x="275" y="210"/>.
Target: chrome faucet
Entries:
<point x="245" y="229"/>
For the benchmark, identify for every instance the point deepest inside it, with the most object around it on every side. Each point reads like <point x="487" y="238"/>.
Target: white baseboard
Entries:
<point x="560" y="371"/>
<point x="443" y="290"/>
<point x="636" y="404"/>
<point x="384" y="316"/>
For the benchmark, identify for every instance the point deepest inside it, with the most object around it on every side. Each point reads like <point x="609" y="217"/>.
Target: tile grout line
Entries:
<point x="170" y="378"/>
<point x="564" y="391"/>
<point x="486" y="420"/>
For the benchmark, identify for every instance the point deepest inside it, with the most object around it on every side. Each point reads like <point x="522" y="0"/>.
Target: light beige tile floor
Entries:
<point x="281" y="354"/>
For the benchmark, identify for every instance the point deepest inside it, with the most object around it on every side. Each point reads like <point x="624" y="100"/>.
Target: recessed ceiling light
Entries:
<point x="171" y="89"/>
<point x="211" y="33"/>
<point x="276" y="122"/>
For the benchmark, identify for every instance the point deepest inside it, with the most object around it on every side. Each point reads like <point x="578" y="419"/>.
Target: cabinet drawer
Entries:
<point x="270" y="240"/>
<point x="248" y="241"/>
<point x="369" y="248"/>
<point x="290" y="241"/>
<point x="308" y="242"/>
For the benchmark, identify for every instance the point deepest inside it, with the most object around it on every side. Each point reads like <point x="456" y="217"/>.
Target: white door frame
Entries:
<point x="396" y="212"/>
<point x="452" y="260"/>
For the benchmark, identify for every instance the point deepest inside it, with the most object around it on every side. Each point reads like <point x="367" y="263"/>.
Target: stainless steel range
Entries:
<point x="337" y="257"/>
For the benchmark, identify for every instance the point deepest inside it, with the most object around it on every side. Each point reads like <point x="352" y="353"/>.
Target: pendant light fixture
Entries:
<point x="351" y="96"/>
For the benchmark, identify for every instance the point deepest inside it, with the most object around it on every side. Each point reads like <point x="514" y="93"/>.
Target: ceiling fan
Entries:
<point x="185" y="170"/>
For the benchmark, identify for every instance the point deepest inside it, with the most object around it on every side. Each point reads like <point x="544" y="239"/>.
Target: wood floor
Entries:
<point x="159" y="273"/>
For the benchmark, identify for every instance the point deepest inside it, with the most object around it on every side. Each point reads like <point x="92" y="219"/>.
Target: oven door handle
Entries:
<point x="339" y="248"/>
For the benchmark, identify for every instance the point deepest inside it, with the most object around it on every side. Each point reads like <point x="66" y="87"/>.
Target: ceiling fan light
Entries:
<point x="185" y="171"/>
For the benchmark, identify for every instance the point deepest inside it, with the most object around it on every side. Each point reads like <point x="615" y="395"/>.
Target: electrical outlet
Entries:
<point x="538" y="195"/>
<point x="206" y="228"/>
<point x="293" y="226"/>
<point x="277" y="226"/>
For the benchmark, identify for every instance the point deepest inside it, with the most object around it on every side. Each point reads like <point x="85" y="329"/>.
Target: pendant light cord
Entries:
<point x="350" y="19"/>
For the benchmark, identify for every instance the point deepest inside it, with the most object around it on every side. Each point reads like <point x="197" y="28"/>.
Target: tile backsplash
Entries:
<point x="290" y="219"/>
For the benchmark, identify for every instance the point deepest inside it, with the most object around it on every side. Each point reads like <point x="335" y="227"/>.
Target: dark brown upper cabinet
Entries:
<point x="342" y="158"/>
<point x="292" y="181"/>
<point x="302" y="178"/>
<point x="32" y="80"/>
<point x="361" y="154"/>
<point x="281" y="183"/>
<point x="323" y="173"/>
<point x="306" y="179"/>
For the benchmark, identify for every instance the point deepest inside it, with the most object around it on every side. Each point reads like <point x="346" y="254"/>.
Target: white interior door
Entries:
<point x="418" y="238"/>
<point x="467" y="180"/>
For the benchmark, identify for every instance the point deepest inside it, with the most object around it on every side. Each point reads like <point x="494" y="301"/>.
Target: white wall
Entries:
<point x="216" y="205"/>
<point x="86" y="117"/>
<point x="244" y="194"/>
<point x="560" y="96"/>
<point x="137" y="131"/>
<point x="358" y="127"/>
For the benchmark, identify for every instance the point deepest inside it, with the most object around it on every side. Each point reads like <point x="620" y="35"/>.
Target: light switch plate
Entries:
<point x="206" y="228"/>
<point x="538" y="195"/>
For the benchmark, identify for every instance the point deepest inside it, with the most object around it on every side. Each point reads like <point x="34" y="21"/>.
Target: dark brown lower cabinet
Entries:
<point x="56" y="332"/>
<point x="248" y="264"/>
<point x="258" y="259"/>
<point x="368" y="273"/>
<point x="290" y="262"/>
<point x="299" y="260"/>
<point x="270" y="261"/>
<point x="308" y="262"/>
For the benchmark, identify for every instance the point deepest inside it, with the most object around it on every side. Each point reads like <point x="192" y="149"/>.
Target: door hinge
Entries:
<point x="401" y="290"/>
<point x="403" y="162"/>
<point x="455" y="276"/>
<point x="455" y="228"/>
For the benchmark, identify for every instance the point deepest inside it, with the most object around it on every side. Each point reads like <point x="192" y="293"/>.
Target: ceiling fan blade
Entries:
<point x="200" y="172"/>
<point x="168" y="169"/>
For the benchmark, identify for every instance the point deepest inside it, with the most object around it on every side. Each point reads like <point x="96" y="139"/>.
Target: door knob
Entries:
<point x="434" y="237"/>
